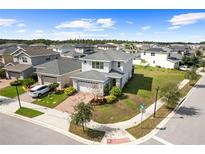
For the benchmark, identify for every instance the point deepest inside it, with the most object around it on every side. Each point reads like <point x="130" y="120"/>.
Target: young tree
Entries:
<point x="171" y="96"/>
<point x="82" y="114"/>
<point x="191" y="75"/>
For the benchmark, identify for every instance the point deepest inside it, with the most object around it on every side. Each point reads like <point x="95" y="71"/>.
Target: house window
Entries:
<point x="152" y="54"/>
<point x="48" y="58"/>
<point x="144" y="53"/>
<point x="24" y="59"/>
<point x="98" y="65"/>
<point x="118" y="64"/>
<point x="153" y="61"/>
<point x="85" y="62"/>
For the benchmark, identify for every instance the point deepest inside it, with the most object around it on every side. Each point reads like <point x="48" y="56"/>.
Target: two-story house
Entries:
<point x="25" y="58"/>
<point x="102" y="70"/>
<point x="162" y="57"/>
<point x="5" y="56"/>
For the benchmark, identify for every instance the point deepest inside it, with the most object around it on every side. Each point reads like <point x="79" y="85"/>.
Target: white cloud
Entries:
<point x="21" y="30"/>
<point x="146" y="27"/>
<point x="129" y="22"/>
<point x="88" y="24"/>
<point x="21" y="25"/>
<point x="105" y="22"/>
<point x="139" y="33"/>
<point x="39" y="31"/>
<point x="174" y="27"/>
<point x="7" y="22"/>
<point x="186" y="19"/>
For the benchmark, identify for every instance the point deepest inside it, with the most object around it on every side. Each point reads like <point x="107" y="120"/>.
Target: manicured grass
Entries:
<point x="141" y="88"/>
<point x="149" y="124"/>
<point x="51" y="100"/>
<point x="89" y="134"/>
<point x="10" y="91"/>
<point x="28" y="112"/>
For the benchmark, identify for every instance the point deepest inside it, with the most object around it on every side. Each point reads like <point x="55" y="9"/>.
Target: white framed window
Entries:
<point x="152" y="54"/>
<point x="98" y="65"/>
<point x="24" y="59"/>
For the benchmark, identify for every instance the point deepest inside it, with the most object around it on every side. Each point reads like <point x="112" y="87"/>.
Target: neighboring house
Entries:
<point x="102" y="70"/>
<point x="84" y="48"/>
<point x="58" y="70"/>
<point x="107" y="47"/>
<point x="162" y="57"/>
<point x="28" y="57"/>
<point x="63" y="48"/>
<point x="181" y="48"/>
<point x="5" y="56"/>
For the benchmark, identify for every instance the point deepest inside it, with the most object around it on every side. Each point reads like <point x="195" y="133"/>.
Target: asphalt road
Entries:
<point x="187" y="127"/>
<point x="16" y="131"/>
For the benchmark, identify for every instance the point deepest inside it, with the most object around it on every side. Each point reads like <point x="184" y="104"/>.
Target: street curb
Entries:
<point x="66" y="133"/>
<point x="163" y="122"/>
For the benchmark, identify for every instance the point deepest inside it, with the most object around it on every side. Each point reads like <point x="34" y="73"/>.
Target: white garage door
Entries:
<point x="85" y="86"/>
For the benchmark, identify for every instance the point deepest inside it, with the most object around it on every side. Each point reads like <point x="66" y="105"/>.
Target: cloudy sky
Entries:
<point x="140" y="25"/>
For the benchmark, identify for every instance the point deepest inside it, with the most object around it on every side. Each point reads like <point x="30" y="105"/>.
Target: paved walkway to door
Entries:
<point x="70" y="102"/>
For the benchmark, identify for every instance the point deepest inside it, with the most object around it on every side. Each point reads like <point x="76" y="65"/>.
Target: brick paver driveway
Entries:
<point x="70" y="102"/>
<point x="4" y="83"/>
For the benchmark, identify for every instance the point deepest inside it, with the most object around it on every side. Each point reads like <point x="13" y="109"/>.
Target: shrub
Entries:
<point x="69" y="91"/>
<point x="16" y="83"/>
<point x="111" y="99"/>
<point x="28" y="82"/>
<point x="2" y="73"/>
<point x="53" y="86"/>
<point x="116" y="91"/>
<point x="34" y="77"/>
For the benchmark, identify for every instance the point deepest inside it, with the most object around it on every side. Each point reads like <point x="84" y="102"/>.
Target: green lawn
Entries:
<point x="10" y="91"/>
<point x="141" y="88"/>
<point x="89" y="134"/>
<point x="28" y="112"/>
<point x="51" y="100"/>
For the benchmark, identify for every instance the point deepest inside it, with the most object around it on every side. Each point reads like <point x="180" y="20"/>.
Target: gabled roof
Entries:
<point x="8" y="50"/>
<point x="33" y="51"/>
<point x="109" y="55"/>
<point x="106" y="45"/>
<point x="59" y="66"/>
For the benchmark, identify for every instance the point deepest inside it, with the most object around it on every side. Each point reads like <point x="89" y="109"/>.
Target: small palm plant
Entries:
<point x="82" y="114"/>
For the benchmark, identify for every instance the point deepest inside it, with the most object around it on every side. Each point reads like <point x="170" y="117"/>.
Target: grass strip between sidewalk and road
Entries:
<point x="27" y="112"/>
<point x="90" y="134"/>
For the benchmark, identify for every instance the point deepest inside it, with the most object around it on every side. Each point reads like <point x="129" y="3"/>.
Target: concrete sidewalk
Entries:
<point x="115" y="133"/>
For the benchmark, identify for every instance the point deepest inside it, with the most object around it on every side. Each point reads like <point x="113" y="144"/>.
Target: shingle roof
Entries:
<point x="59" y="66"/>
<point x="84" y="46"/>
<point x="8" y="50"/>
<point x="109" y="55"/>
<point x="18" y="67"/>
<point x="38" y="51"/>
<point x="106" y="45"/>
<point x="91" y="75"/>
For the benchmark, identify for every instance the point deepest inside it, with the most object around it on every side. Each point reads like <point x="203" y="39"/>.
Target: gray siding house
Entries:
<point x="28" y="57"/>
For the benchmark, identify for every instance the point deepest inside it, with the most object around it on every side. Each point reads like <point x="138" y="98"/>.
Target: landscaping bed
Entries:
<point x="27" y="112"/>
<point x="88" y="133"/>
<point x="10" y="91"/>
<point x="141" y="88"/>
<point x="51" y="100"/>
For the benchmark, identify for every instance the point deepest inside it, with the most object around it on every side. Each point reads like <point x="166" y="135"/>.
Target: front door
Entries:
<point x="113" y="82"/>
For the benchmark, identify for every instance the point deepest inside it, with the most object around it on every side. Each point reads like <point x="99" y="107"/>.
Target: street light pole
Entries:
<point x="155" y="104"/>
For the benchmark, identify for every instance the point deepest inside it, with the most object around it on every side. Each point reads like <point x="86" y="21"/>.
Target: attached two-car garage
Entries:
<point x="87" y="86"/>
